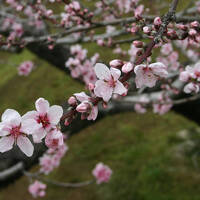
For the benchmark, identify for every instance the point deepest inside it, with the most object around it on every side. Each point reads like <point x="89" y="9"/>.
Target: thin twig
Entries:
<point x="57" y="183"/>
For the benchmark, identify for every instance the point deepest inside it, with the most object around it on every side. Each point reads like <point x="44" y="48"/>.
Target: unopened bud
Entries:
<point x="138" y="44"/>
<point x="157" y="21"/>
<point x="146" y="30"/>
<point x="116" y="63"/>
<point x="72" y="101"/>
<point x="195" y="24"/>
<point x="127" y="67"/>
<point x="83" y="107"/>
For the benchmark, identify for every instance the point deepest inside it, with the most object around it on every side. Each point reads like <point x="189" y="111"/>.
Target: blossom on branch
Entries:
<point x="14" y="129"/>
<point x="46" y="116"/>
<point x="37" y="189"/>
<point x="109" y="82"/>
<point x="87" y="109"/>
<point x="102" y="173"/>
<point x="147" y="75"/>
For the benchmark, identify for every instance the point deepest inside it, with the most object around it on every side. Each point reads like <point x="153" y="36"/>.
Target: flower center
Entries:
<point x="197" y="74"/>
<point x="111" y="82"/>
<point x="15" y="131"/>
<point x="44" y="120"/>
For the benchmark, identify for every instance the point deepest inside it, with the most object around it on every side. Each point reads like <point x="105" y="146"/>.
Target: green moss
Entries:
<point x="139" y="151"/>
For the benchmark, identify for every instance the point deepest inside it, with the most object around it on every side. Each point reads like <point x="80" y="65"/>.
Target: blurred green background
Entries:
<point x="152" y="158"/>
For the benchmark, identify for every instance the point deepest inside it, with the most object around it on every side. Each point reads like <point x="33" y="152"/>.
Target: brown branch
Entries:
<point x="57" y="183"/>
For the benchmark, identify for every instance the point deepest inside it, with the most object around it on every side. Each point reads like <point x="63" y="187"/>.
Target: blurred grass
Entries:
<point x="139" y="151"/>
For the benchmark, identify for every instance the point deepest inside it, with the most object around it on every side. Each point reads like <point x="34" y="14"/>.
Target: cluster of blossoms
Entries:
<point x="37" y="189"/>
<point x="169" y="57"/>
<point x="101" y="172"/>
<point x="109" y="83"/>
<point x="15" y="129"/>
<point x="125" y="6"/>
<point x="74" y="14"/>
<point x="80" y="66"/>
<point x="191" y="76"/>
<point x="16" y="30"/>
<point x="163" y="106"/>
<point x="25" y="68"/>
<point x="51" y="159"/>
<point x="103" y="82"/>
<point x="15" y="4"/>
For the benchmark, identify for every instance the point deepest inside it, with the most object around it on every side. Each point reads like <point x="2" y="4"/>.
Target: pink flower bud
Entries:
<point x="49" y="12"/>
<point x="116" y="63"/>
<point x="146" y="30"/>
<point x="182" y="27"/>
<point x="100" y="42"/>
<point x="195" y="24"/>
<point x="192" y="32"/>
<point x="76" y="5"/>
<point x="138" y="44"/>
<point x="67" y="123"/>
<point x="157" y="21"/>
<point x="83" y="107"/>
<point x="127" y="67"/>
<point x="91" y="86"/>
<point x="72" y="101"/>
<point x="134" y="28"/>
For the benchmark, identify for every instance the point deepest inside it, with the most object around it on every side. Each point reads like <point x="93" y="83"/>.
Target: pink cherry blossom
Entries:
<point x="25" y="68"/>
<point x="54" y="139"/>
<point x="191" y="87"/>
<point x="46" y="116"/>
<point x="14" y="129"/>
<point x="157" y="21"/>
<point x="51" y="159"/>
<point x="109" y="82"/>
<point x="86" y="106"/>
<point x="139" y="108"/>
<point x="127" y="67"/>
<point x="102" y="173"/>
<point x="166" y="49"/>
<point x="187" y="74"/>
<point x="147" y="75"/>
<point x="37" y="189"/>
<point x="161" y="108"/>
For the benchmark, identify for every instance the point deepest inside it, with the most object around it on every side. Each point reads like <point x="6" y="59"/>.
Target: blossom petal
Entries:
<point x="42" y="105"/>
<point x="6" y="144"/>
<point x="159" y="69"/>
<point x="146" y="78"/>
<point x="55" y="113"/>
<point x="4" y="129"/>
<point x="119" y="88"/>
<point x="25" y="145"/>
<point x="139" y="68"/>
<point x="93" y="114"/>
<point x="115" y="73"/>
<point x="81" y="96"/>
<point x="103" y="90"/>
<point x="11" y="115"/>
<point x="102" y="71"/>
<point x="39" y="135"/>
<point x="30" y="115"/>
<point x="30" y="126"/>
